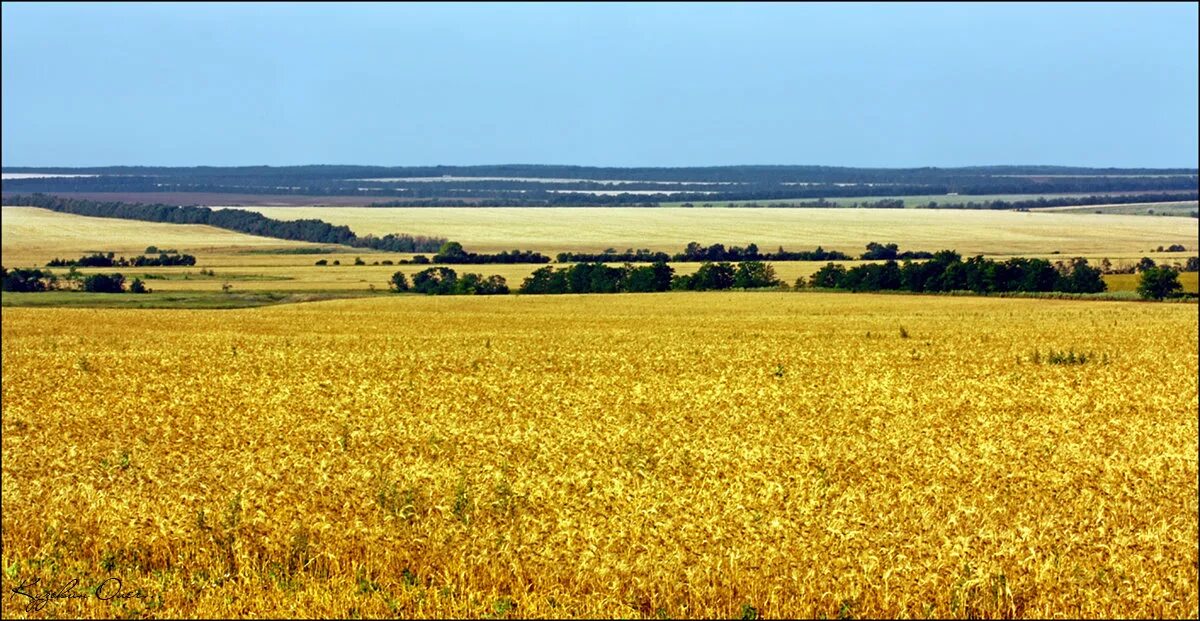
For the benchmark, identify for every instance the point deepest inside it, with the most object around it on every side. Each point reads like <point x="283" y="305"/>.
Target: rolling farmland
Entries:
<point x="32" y="236"/>
<point x="594" y="229"/>
<point x="684" y="454"/>
<point x="554" y="311"/>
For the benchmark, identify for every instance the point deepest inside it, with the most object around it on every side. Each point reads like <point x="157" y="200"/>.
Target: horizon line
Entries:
<point x="709" y="166"/>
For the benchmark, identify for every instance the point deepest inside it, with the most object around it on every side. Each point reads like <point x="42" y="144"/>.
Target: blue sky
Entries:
<point x="601" y="84"/>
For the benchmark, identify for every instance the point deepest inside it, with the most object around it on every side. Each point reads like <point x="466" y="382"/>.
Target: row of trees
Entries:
<point x="716" y="276"/>
<point x="359" y="261"/>
<point x="445" y="281"/>
<point x="1191" y="264"/>
<point x="598" y="278"/>
<point x="452" y="252"/>
<point x="109" y="260"/>
<point x="881" y="252"/>
<point x="946" y="271"/>
<point x="399" y="242"/>
<point x="696" y="253"/>
<point x="241" y="220"/>
<point x="641" y="255"/>
<point x="28" y="280"/>
<point x="602" y="278"/>
<point x="35" y="280"/>
<point x="718" y="252"/>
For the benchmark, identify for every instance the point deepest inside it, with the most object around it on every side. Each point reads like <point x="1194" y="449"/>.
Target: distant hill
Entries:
<point x="526" y="184"/>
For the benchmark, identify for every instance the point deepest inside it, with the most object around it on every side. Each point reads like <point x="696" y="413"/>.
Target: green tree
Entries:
<point x="828" y="277"/>
<point x="399" y="282"/>
<point x="475" y="284"/>
<point x="579" y="276"/>
<point x="451" y="249"/>
<point x="28" y="280"/>
<point x="681" y="282"/>
<point x="492" y="285"/>
<point x="754" y="275"/>
<point x="546" y="280"/>
<point x="649" y="278"/>
<point x="713" y="276"/>
<point x="137" y="286"/>
<point x="607" y="279"/>
<point x="1083" y="278"/>
<point x="435" y="281"/>
<point x="104" y="283"/>
<point x="1158" y="283"/>
<point x="880" y="251"/>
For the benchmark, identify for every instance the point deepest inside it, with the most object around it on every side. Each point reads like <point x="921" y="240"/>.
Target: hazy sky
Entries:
<point x="600" y="84"/>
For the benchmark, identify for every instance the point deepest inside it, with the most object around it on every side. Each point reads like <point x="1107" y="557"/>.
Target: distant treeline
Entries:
<point x="1019" y="205"/>
<point x="575" y="185"/>
<point x="1037" y="203"/>
<point x="539" y="198"/>
<point x="452" y="252"/>
<point x="108" y="260"/>
<point x="641" y="255"/>
<point x="946" y="271"/>
<point x="644" y="200"/>
<point x="710" y="174"/>
<point x="439" y="195"/>
<point x="880" y="252"/>
<point x="241" y="220"/>
<point x="695" y="253"/>
<point x="399" y="242"/>
<point x="718" y="252"/>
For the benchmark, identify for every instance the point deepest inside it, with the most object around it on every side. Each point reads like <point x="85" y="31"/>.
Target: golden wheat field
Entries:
<point x="635" y="456"/>
<point x="670" y="229"/>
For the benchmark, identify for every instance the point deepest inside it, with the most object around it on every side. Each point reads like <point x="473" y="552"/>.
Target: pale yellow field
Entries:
<point x="554" y="230"/>
<point x="655" y="455"/>
<point x="308" y="277"/>
<point x="32" y="236"/>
